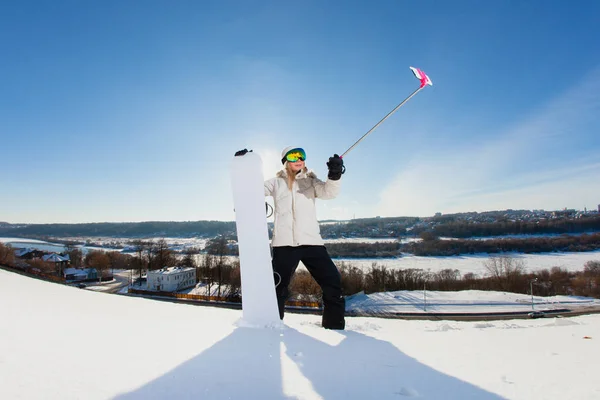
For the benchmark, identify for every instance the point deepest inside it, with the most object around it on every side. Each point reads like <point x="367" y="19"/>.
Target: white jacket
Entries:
<point x="295" y="214"/>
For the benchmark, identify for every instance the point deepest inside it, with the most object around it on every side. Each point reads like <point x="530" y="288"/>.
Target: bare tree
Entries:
<point x="589" y="281"/>
<point x="149" y="256"/>
<point x="592" y="268"/>
<point x="235" y="282"/>
<point x="353" y="279"/>
<point x="218" y="247"/>
<point x="7" y="255"/>
<point x="206" y="271"/>
<point x="41" y="265"/>
<point x="507" y="272"/>
<point x="375" y="280"/>
<point x="75" y="257"/>
<point x="99" y="261"/>
<point x="428" y="236"/>
<point x="139" y="261"/>
<point x="119" y="260"/>
<point x="189" y="260"/>
<point x="447" y="279"/>
<point x="162" y="255"/>
<point x="304" y="287"/>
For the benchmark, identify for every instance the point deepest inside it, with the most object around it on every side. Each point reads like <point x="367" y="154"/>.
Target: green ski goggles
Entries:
<point x="295" y="155"/>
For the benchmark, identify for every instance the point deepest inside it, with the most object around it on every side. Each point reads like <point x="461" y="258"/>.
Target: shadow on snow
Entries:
<point x="248" y="364"/>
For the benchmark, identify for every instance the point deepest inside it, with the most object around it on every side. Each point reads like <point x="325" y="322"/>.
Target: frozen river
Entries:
<point x="474" y="263"/>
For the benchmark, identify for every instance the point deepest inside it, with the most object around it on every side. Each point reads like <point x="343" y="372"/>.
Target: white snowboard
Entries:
<point x="259" y="303"/>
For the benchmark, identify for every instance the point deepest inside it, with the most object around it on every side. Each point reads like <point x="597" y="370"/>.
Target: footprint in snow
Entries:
<point x="364" y="327"/>
<point x="562" y="322"/>
<point x="443" y="328"/>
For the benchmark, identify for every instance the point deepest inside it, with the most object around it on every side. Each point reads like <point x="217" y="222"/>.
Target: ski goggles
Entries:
<point x="295" y="155"/>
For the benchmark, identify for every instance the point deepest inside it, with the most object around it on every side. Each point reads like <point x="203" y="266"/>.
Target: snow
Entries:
<point x="366" y="240"/>
<point x="464" y="302"/>
<point x="54" y="258"/>
<point x="20" y="240"/>
<point x="571" y="261"/>
<point x="202" y="289"/>
<point x="171" y="271"/>
<point x="103" y="243"/>
<point x="475" y="263"/>
<point x="44" y="245"/>
<point x="60" y="342"/>
<point x="33" y="244"/>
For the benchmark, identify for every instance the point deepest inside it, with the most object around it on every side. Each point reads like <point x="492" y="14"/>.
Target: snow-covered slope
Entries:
<point x="419" y="302"/>
<point x="59" y="342"/>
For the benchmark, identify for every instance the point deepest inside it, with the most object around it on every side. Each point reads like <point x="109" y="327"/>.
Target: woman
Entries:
<point x="296" y="234"/>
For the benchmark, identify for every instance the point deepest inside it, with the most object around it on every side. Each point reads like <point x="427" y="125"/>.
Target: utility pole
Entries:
<point x="531" y="288"/>
<point x="424" y="296"/>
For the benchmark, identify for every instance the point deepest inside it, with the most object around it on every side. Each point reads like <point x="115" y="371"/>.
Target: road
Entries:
<point x="120" y="281"/>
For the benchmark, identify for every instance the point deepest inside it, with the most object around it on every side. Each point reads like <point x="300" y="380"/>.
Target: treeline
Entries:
<point x="221" y="275"/>
<point x="432" y="246"/>
<point x="505" y="274"/>
<point x="363" y="250"/>
<point x="123" y="229"/>
<point x="101" y="261"/>
<point x="464" y="229"/>
<point x="501" y="273"/>
<point x="368" y="227"/>
<point x="456" y="226"/>
<point x="228" y="246"/>
<point x="218" y="273"/>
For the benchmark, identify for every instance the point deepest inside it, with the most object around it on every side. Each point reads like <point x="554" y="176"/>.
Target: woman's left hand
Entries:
<point x="336" y="167"/>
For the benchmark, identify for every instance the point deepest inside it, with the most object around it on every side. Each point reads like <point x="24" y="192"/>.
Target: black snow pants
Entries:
<point x="323" y="270"/>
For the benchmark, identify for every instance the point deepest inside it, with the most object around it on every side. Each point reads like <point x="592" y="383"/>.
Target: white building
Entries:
<point x="171" y="279"/>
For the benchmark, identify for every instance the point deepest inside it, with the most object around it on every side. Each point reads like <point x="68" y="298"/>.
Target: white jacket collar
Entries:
<point x="305" y="173"/>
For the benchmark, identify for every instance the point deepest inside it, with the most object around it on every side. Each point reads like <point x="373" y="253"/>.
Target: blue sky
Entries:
<point x="132" y="110"/>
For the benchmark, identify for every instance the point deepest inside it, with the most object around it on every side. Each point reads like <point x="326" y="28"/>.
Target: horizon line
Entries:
<point x="593" y="210"/>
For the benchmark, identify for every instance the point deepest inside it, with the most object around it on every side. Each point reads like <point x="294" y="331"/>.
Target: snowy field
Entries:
<point x="178" y="244"/>
<point x="516" y="236"/>
<point x="572" y="261"/>
<point x="60" y="342"/>
<point x="42" y="245"/>
<point x="475" y="263"/>
<point x="464" y="302"/>
<point x="424" y="302"/>
<point x="368" y="240"/>
<point x="33" y="243"/>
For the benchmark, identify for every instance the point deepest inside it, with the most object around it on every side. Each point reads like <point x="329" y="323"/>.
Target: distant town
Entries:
<point x="512" y="221"/>
<point x="199" y="260"/>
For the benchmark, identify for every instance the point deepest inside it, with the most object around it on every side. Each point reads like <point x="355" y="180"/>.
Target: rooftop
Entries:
<point x="170" y="271"/>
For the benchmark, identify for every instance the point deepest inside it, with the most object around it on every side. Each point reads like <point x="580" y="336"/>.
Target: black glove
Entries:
<point x="242" y="152"/>
<point x="336" y="167"/>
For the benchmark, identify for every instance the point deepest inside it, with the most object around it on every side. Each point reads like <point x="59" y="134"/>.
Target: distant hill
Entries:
<point x="461" y="225"/>
<point x="123" y="229"/>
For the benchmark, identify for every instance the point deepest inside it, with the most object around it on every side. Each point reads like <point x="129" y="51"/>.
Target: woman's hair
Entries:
<point x="291" y="176"/>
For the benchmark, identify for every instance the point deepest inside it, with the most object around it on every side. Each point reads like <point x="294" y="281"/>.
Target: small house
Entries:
<point x="171" y="279"/>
